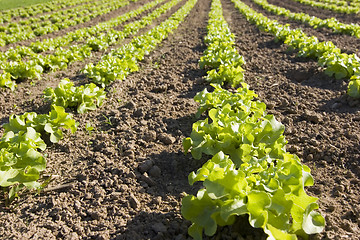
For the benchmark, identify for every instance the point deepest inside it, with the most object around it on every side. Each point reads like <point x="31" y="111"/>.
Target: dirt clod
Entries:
<point x="155" y="171"/>
<point x="159" y="227"/>
<point x="134" y="202"/>
<point x="145" y="166"/>
<point x="166" y="138"/>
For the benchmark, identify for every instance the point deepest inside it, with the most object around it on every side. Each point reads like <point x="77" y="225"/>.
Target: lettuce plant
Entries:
<point x="354" y="87"/>
<point x="5" y="81"/>
<point x="84" y="98"/>
<point x="270" y="191"/>
<point x="20" y="159"/>
<point x="49" y="124"/>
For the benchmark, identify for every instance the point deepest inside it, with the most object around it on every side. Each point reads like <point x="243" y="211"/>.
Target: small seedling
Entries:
<point x="89" y="128"/>
<point x="108" y="119"/>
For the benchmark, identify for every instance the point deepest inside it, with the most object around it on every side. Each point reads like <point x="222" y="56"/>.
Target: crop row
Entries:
<point x="23" y="140"/>
<point x="50" y="44"/>
<point x="7" y="15"/>
<point x="37" y="64"/>
<point x="14" y="33"/>
<point x="315" y="22"/>
<point x="250" y="172"/>
<point x="221" y="52"/>
<point x="119" y="63"/>
<point x="339" y="64"/>
<point x="26" y="24"/>
<point x="341" y="3"/>
<point x="332" y="7"/>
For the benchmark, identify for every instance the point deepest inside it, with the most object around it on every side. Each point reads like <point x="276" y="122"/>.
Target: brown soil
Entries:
<point x="126" y="178"/>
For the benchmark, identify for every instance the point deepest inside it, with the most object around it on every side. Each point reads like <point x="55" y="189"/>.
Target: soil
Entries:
<point x="125" y="179"/>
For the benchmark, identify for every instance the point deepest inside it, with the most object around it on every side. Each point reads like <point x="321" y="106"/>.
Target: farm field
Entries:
<point x="123" y="173"/>
<point x="7" y="4"/>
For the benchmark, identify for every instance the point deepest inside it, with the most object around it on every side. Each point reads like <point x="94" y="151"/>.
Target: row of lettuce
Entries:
<point x="27" y="135"/>
<point x="250" y="172"/>
<point x="15" y="32"/>
<point x="46" y="19"/>
<point x="328" y="55"/>
<point x="335" y="25"/>
<point x="337" y="64"/>
<point x="346" y="8"/>
<point x="344" y="3"/>
<point x="45" y="16"/>
<point x="7" y="16"/>
<point x="102" y="36"/>
<point x="50" y="44"/>
<point x="28" y="62"/>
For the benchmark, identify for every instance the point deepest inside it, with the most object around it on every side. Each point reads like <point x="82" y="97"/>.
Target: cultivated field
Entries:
<point x="97" y="106"/>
